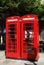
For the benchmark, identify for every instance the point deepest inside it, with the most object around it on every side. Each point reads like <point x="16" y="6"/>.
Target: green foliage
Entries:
<point x="21" y="7"/>
<point x="28" y="6"/>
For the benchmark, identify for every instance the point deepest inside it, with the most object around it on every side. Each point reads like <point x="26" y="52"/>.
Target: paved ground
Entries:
<point x="4" y="61"/>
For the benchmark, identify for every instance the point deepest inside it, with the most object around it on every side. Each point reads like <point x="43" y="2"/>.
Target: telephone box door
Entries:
<point x="12" y="39"/>
<point x="28" y="51"/>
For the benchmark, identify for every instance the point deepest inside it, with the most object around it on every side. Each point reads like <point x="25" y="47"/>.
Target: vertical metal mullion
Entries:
<point x="20" y="40"/>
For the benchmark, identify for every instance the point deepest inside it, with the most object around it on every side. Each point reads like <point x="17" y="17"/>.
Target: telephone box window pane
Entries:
<point x="12" y="38"/>
<point x="29" y="36"/>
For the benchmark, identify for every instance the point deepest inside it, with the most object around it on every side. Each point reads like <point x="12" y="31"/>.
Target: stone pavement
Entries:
<point x="4" y="61"/>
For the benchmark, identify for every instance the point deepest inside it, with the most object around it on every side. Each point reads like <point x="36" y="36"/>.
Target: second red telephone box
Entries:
<point x="30" y="37"/>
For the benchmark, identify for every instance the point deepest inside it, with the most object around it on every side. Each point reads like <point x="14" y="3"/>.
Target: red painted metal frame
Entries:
<point x="35" y="40"/>
<point x="20" y="33"/>
<point x="17" y="53"/>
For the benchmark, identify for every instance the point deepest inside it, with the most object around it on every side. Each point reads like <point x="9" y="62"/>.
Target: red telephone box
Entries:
<point x="12" y="37"/>
<point x="30" y="37"/>
<point x="22" y="39"/>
